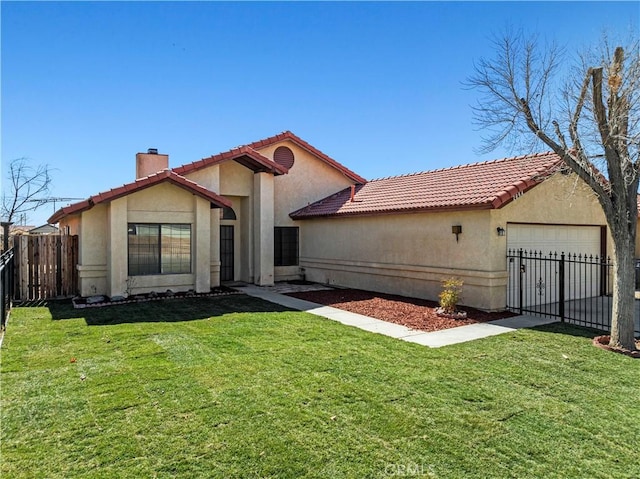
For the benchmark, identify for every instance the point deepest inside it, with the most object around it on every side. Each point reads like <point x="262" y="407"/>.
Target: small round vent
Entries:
<point x="284" y="157"/>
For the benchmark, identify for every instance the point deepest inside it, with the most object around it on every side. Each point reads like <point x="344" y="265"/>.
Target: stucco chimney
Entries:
<point x="150" y="162"/>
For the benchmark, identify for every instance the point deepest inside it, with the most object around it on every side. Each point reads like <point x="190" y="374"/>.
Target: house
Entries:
<point x="280" y="209"/>
<point x="44" y="230"/>
<point x="222" y="218"/>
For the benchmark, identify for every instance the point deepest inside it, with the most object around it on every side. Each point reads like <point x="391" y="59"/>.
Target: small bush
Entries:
<point x="450" y="294"/>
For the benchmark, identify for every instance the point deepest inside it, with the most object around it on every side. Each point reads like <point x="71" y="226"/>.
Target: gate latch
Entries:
<point x="523" y="268"/>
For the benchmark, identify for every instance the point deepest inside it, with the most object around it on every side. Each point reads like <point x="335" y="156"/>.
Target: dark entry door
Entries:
<point x="226" y="253"/>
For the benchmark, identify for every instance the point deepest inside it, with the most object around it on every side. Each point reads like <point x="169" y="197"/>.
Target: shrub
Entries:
<point x="450" y="294"/>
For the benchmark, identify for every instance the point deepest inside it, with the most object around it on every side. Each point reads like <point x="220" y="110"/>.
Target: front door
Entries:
<point x="226" y="253"/>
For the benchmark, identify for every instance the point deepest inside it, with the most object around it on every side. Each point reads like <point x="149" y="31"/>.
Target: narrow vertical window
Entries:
<point x="285" y="246"/>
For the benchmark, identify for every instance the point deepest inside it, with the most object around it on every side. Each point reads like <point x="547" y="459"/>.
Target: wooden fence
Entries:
<point x="45" y="266"/>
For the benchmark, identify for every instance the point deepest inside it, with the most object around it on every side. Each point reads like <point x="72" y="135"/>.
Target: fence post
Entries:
<point x="520" y="274"/>
<point x="561" y="292"/>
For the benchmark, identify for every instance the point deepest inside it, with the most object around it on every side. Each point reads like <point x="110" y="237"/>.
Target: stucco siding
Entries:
<point x="235" y="179"/>
<point x="207" y="177"/>
<point x="263" y="229"/>
<point x="160" y="201"/>
<point x="70" y="225"/>
<point x="93" y="239"/>
<point x="408" y="254"/>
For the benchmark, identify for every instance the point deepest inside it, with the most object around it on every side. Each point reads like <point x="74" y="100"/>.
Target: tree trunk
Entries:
<point x="623" y="312"/>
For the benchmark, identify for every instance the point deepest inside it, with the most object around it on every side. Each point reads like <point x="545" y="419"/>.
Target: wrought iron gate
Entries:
<point x="573" y="287"/>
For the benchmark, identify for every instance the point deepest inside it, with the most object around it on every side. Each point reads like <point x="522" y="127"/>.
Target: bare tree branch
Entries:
<point x="27" y="183"/>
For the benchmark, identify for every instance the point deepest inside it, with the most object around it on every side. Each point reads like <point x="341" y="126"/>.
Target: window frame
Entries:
<point x="160" y="255"/>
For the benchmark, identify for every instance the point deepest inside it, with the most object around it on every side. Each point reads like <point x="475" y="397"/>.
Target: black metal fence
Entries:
<point x="6" y="285"/>
<point x="573" y="287"/>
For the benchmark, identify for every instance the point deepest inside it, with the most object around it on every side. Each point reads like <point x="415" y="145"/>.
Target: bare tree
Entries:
<point x="26" y="185"/>
<point x="592" y="121"/>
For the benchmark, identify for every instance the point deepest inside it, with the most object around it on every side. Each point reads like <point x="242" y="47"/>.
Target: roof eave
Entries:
<point x="139" y="185"/>
<point x="395" y="211"/>
<point x="245" y="156"/>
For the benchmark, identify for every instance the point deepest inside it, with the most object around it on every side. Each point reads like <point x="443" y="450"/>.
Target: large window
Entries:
<point x="286" y="246"/>
<point x="159" y="248"/>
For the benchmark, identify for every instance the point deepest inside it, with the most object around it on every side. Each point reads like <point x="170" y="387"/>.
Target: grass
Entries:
<point x="234" y="387"/>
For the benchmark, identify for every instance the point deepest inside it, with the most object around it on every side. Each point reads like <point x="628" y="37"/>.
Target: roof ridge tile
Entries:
<point x="467" y="165"/>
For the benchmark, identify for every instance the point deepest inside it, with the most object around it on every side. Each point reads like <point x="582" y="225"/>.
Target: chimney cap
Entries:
<point x="152" y="151"/>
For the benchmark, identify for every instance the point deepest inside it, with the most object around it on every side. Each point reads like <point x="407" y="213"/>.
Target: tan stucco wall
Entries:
<point x="246" y="238"/>
<point x="174" y="204"/>
<point x="207" y="177"/>
<point x="92" y="262"/>
<point x="70" y="225"/>
<point x="201" y="244"/>
<point x="410" y="254"/>
<point x="235" y="179"/>
<point x="117" y="247"/>
<point x="263" y="221"/>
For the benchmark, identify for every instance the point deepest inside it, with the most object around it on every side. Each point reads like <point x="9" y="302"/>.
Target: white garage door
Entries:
<point x="559" y="239"/>
<point x="538" y="277"/>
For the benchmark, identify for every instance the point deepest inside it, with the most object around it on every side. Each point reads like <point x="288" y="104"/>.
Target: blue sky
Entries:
<point x="376" y="86"/>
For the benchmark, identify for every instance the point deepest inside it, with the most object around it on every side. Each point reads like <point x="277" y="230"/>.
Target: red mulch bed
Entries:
<point x="410" y="312"/>
<point x="602" y="342"/>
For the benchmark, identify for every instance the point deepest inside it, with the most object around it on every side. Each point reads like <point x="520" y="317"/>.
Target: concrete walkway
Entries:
<point x="435" y="339"/>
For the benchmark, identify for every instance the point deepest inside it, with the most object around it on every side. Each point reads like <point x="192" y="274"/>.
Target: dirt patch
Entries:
<point x="410" y="312"/>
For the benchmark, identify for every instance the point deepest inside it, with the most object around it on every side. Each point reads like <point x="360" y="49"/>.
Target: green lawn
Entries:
<point x="234" y="387"/>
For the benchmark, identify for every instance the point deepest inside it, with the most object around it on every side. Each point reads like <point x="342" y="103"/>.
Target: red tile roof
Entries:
<point x="249" y="157"/>
<point x="141" y="184"/>
<point x="287" y="135"/>
<point x="245" y="155"/>
<point x="486" y="185"/>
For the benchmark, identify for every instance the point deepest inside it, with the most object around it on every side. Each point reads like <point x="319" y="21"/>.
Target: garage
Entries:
<point x="534" y="277"/>
<point x="555" y="238"/>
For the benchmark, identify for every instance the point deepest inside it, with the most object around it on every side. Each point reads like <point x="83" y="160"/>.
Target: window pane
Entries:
<point x="176" y="248"/>
<point x="144" y="249"/>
